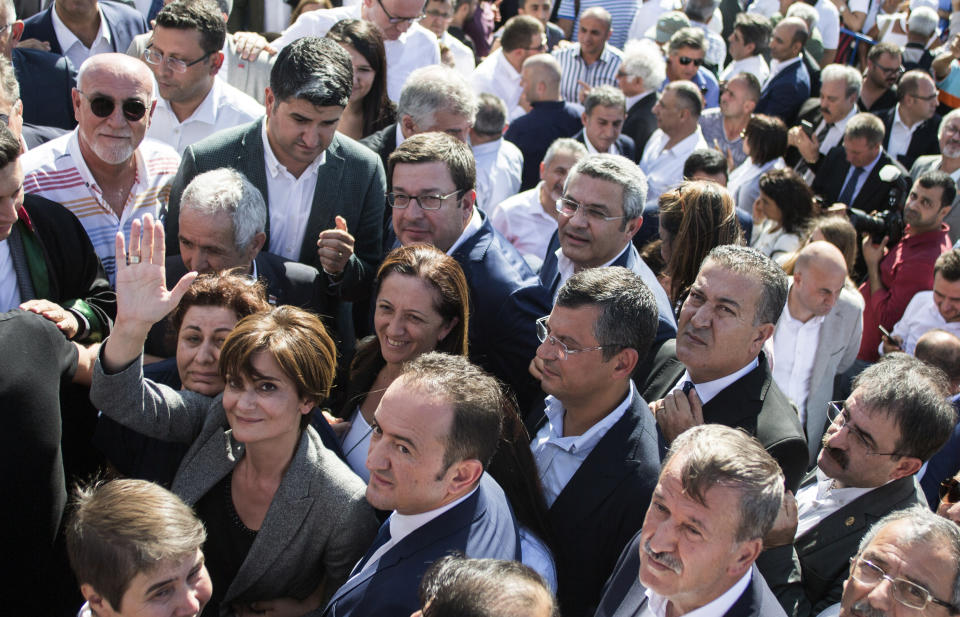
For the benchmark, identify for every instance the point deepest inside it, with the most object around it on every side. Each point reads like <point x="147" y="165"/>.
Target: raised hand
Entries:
<point x="334" y="247"/>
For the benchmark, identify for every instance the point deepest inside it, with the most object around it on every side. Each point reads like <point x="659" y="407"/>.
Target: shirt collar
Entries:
<point x="402" y="525"/>
<point x="897" y="119"/>
<point x="605" y="56"/>
<point x="473" y="226"/>
<point x="566" y="267"/>
<point x="709" y="389"/>
<point x="275" y="167"/>
<point x="632" y="100"/>
<point x="206" y="111"/>
<point x="503" y="64"/>
<point x="67" y="38"/>
<point x="555" y="413"/>
<point x="592" y="150"/>
<point x="715" y="608"/>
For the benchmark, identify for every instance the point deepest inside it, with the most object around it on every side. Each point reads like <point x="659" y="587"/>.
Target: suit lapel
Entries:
<point x="739" y="403"/>
<point x="251" y="163"/>
<point x="325" y="194"/>
<point x="206" y="463"/>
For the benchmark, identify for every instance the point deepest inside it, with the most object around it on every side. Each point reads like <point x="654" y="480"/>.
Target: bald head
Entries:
<point x="113" y="66"/>
<point x="822" y="255"/>
<point x="818" y="279"/>
<point x="541" y="78"/>
<point x="941" y="349"/>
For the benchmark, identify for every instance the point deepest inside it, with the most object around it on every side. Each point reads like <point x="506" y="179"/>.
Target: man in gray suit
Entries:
<point x="324" y="192"/>
<point x="948" y="161"/>
<point x="817" y="335"/>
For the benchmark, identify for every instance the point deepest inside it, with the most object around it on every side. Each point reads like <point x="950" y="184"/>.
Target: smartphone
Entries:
<point x="886" y="334"/>
<point x="807" y="127"/>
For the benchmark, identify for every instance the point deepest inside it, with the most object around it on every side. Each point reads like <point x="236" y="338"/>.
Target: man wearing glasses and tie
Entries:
<point x="895" y="419"/>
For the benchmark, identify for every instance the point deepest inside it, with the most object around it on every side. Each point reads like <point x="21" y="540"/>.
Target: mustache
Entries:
<point x="862" y="608"/>
<point x="664" y="559"/>
<point x="838" y="455"/>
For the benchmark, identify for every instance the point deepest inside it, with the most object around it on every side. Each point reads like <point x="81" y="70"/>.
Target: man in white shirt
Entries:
<point x="750" y="37"/>
<point x="596" y="445"/>
<point x="499" y="74"/>
<point x="677" y="135"/>
<point x="439" y="16"/>
<point x="184" y="55"/>
<point x="499" y="162"/>
<point x="896" y="418"/>
<point x="911" y="126"/>
<point x="817" y="335"/>
<point x="409" y="45"/>
<point x="839" y="90"/>
<point x="930" y="310"/>
<point x="715" y="500"/>
<point x="529" y="219"/>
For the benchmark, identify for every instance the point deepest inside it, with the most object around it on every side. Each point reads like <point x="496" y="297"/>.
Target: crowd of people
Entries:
<point x="490" y="308"/>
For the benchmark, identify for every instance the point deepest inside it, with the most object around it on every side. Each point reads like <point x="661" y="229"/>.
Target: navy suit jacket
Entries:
<point x="624" y="145"/>
<point x="534" y="131"/>
<point x="124" y="24"/>
<point x="602" y="506"/>
<point x="624" y="595"/>
<point x="506" y="299"/>
<point x="482" y="526"/>
<point x="942" y="465"/>
<point x="783" y="95"/>
<point x="383" y="142"/>
<point x="832" y="173"/>
<point x="46" y="80"/>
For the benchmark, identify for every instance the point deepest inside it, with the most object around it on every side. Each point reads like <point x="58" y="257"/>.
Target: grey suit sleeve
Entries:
<point x="356" y="530"/>
<point x="186" y="172"/>
<point x="853" y="345"/>
<point x="149" y="408"/>
<point x="368" y="237"/>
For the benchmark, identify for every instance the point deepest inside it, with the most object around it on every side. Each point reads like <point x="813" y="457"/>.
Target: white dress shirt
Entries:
<point x="473" y="226"/>
<point x="523" y="222"/>
<point x="795" y="348"/>
<point x="744" y="181"/>
<point x="776" y="66"/>
<point x="828" y="23"/>
<point x="290" y="201"/>
<point x="73" y="48"/>
<point x="920" y="316"/>
<point x="9" y="290"/>
<point x="777" y="244"/>
<point x="709" y="389"/>
<point x="664" y="167"/>
<point x="224" y="107"/>
<point x="656" y="605"/>
<point x="820" y="499"/>
<point x="558" y="457"/>
<point x="463" y="58"/>
<point x="497" y="76"/>
<point x="591" y="149"/>
<point x="417" y="47"/>
<point x="835" y="135"/>
<point x="755" y="65"/>
<point x="499" y="167"/>
<point x="900" y="135"/>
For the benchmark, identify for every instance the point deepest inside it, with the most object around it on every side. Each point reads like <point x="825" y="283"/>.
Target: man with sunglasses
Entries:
<point x="917" y="553"/>
<point x="895" y="419"/>
<point x="409" y="45"/>
<point x="184" y="55"/>
<point x="686" y="51"/>
<point x="104" y="171"/>
<point x="910" y="127"/>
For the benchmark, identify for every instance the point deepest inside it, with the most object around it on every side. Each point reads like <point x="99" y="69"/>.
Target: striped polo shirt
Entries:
<point x="56" y="170"/>
<point x="621" y="13"/>
<point x="574" y="70"/>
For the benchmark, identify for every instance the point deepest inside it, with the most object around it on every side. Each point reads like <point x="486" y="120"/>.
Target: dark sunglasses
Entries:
<point x="685" y="60"/>
<point x="950" y="491"/>
<point x="103" y="106"/>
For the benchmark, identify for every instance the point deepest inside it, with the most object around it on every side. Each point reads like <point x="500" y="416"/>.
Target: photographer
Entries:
<point x="895" y="275"/>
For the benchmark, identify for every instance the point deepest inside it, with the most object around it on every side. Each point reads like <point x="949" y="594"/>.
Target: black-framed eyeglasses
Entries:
<point x="543" y="334"/>
<point x="426" y="202"/>
<point x="103" y="106"/>
<point x="894" y="70"/>
<point x="569" y="208"/>
<point x="905" y="592"/>
<point x="154" y="57"/>
<point x="837" y="413"/>
<point x="950" y="491"/>
<point x="685" y="60"/>
<point x="434" y="13"/>
<point x="398" y="20"/>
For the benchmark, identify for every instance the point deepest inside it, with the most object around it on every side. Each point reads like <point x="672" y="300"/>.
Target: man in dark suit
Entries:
<point x="437" y="426"/>
<point x="717" y="497"/>
<point x="910" y="127"/>
<point x="640" y="75"/>
<point x="789" y="83"/>
<point x="850" y="172"/>
<point x="596" y="446"/>
<point x="506" y="297"/>
<point x="324" y="192"/>
<point x="604" y="110"/>
<point x="715" y="372"/>
<point x="80" y="28"/>
<point x="896" y="418"/>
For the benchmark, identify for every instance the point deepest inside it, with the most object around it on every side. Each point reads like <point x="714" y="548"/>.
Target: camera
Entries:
<point x="887" y="223"/>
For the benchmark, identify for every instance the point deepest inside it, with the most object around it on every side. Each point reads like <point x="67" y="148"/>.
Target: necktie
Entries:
<point x="383" y="536"/>
<point x="846" y="195"/>
<point x="823" y="132"/>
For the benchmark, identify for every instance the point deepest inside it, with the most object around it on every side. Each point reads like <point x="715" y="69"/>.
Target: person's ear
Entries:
<point x="906" y="466"/>
<point x="744" y="557"/>
<point x="16" y="31"/>
<point x="216" y="63"/>
<point x="624" y="363"/>
<point x="464" y="474"/>
<point x="447" y="328"/>
<point x="98" y="604"/>
<point x="255" y="246"/>
<point x="764" y="331"/>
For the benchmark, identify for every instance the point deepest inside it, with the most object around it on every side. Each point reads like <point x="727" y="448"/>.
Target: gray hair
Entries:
<point x="687" y="37"/>
<point x="627" y="309"/>
<point x="434" y="88"/>
<point x="713" y="455"/>
<point x="865" y="126"/>
<point x="491" y="115"/>
<point x="567" y="145"/>
<point x="749" y="261"/>
<point x="947" y="118"/>
<point x="700" y="10"/>
<point x="926" y="527"/>
<point x="688" y="96"/>
<point x="923" y="21"/>
<point x="804" y="11"/>
<point x="914" y="395"/>
<point x="842" y="72"/>
<point x="227" y="190"/>
<point x="621" y="171"/>
<point x="604" y="96"/>
<point x="9" y="86"/>
<point x="642" y="58"/>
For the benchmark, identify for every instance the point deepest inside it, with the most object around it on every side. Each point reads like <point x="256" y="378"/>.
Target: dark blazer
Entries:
<point x="813" y="70"/>
<point x="809" y="111"/>
<point x="753" y="403"/>
<point x="624" y="595"/>
<point x="832" y="172"/>
<point x="923" y="141"/>
<point x="602" y="506"/>
<point x="482" y="526"/>
<point x="534" y="131"/>
<point x="124" y="24"/>
<point x="383" y="142"/>
<point x="641" y="123"/>
<point x="624" y="145"/>
<point x="46" y="80"/>
<point x="808" y="575"/>
<point x="506" y="299"/>
<point x="349" y="184"/>
<point x="783" y="95"/>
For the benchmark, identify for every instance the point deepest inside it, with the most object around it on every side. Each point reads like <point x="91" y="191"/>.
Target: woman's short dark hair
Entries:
<point x="793" y="197"/>
<point x="363" y="36"/>
<point x="231" y="290"/>
<point x="766" y="137"/>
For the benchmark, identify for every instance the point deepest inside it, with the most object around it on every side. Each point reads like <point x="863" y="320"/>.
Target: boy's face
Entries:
<point x="537" y="8"/>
